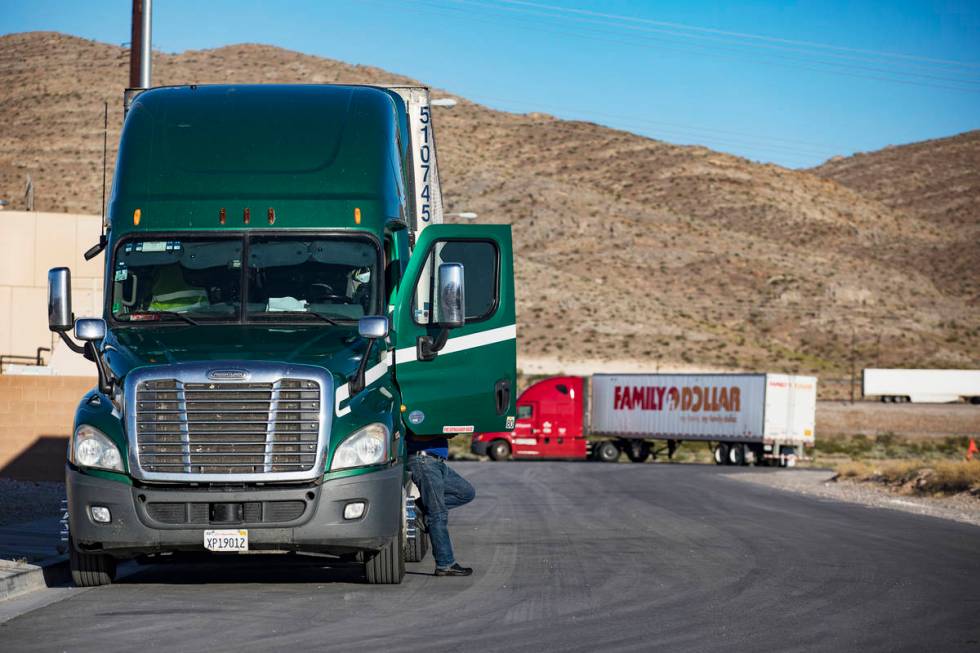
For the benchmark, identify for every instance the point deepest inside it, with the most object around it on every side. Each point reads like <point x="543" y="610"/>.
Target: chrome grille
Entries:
<point x="227" y="427"/>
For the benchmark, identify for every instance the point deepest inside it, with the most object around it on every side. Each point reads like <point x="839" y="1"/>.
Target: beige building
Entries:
<point x="30" y="244"/>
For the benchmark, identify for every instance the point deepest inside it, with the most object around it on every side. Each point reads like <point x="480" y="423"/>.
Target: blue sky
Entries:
<point x="788" y="82"/>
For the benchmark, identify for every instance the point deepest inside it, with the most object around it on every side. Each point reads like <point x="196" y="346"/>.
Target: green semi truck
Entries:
<point x="283" y="307"/>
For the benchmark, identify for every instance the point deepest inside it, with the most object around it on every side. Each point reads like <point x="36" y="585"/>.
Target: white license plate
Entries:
<point x="226" y="540"/>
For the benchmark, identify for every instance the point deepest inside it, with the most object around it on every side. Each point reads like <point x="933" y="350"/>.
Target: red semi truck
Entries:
<point x="760" y="418"/>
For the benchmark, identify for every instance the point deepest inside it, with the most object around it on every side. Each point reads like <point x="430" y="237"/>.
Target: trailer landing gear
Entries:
<point x="637" y="451"/>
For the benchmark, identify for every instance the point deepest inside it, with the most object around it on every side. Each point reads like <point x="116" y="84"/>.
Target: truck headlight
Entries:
<point x="93" y="448"/>
<point x="365" y="446"/>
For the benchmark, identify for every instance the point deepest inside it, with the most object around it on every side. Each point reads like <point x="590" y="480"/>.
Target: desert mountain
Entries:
<point x="628" y="248"/>
<point x="938" y="180"/>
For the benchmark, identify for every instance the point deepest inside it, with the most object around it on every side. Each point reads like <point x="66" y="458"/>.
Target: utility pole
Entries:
<point x="29" y="193"/>
<point x="853" y="337"/>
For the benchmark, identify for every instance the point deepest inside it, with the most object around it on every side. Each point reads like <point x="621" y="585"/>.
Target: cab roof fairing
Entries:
<point x="311" y="153"/>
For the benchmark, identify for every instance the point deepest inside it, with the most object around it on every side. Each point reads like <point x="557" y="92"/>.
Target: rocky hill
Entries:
<point x="938" y="180"/>
<point x="628" y="249"/>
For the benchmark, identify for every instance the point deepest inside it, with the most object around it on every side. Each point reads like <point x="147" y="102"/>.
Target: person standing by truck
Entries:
<point x="442" y="489"/>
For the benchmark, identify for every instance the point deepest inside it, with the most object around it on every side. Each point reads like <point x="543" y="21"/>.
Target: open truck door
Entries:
<point x="455" y="333"/>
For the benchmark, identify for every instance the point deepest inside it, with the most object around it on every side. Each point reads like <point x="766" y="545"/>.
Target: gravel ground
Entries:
<point x="819" y="483"/>
<point x="22" y="501"/>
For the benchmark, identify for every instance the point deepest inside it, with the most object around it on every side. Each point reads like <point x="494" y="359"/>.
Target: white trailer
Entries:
<point x="750" y="417"/>
<point x="921" y="386"/>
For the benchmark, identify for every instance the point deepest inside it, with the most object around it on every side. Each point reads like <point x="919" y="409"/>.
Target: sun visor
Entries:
<point x="191" y="255"/>
<point x="341" y="252"/>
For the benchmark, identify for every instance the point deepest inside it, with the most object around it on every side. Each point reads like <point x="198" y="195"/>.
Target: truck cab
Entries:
<point x="550" y="424"/>
<point x="282" y="310"/>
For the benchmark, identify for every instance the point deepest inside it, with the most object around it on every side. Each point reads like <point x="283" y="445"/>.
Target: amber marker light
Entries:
<point x="136" y="217"/>
<point x="221" y="216"/>
<point x="357" y="215"/>
<point x="272" y="215"/>
<point x="247" y="215"/>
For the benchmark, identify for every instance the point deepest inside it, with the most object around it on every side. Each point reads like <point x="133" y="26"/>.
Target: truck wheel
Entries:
<point x="736" y="454"/>
<point x="975" y="401"/>
<point x="607" y="452"/>
<point x="90" y="569"/>
<point x="499" y="450"/>
<point x="638" y="452"/>
<point x="721" y="454"/>
<point x="387" y="566"/>
<point x="418" y="545"/>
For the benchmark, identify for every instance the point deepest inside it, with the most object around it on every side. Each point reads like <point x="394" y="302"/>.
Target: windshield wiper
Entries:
<point x="314" y="314"/>
<point x="150" y="316"/>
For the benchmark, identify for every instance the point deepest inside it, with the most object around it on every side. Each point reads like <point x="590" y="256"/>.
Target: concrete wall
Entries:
<point x="30" y="244"/>
<point x="36" y="418"/>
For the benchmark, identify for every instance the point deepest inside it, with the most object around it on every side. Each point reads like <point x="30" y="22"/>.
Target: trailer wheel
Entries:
<point x="721" y="454"/>
<point x="90" y="569"/>
<point x="499" y="450"/>
<point x="607" y="452"/>
<point x="736" y="454"/>
<point x="387" y="566"/>
<point x="638" y="452"/>
<point x="975" y="401"/>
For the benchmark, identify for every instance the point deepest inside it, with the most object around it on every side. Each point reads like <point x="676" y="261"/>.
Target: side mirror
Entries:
<point x="60" y="318"/>
<point x="451" y="305"/>
<point x="90" y="329"/>
<point x="373" y="326"/>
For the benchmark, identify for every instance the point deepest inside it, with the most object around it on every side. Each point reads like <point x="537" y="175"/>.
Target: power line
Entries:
<point x="744" y="35"/>
<point x="726" y="49"/>
<point x="731" y="139"/>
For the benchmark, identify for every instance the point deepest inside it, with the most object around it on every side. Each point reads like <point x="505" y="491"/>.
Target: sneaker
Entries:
<point x="455" y="570"/>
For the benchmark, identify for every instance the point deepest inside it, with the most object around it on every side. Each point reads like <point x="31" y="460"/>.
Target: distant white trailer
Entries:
<point x="922" y="386"/>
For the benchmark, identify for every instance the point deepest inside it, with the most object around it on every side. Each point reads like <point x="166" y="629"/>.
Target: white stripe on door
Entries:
<point x="462" y="343"/>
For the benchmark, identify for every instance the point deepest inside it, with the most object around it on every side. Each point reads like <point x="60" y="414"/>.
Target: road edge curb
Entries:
<point x="49" y="572"/>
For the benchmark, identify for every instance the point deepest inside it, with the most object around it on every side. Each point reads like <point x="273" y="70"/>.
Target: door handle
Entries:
<point x="502" y="393"/>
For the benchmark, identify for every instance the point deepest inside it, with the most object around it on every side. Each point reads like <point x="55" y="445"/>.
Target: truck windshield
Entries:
<point x="286" y="279"/>
<point x="333" y="277"/>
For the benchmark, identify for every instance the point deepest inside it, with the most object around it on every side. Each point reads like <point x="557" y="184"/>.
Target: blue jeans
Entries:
<point x="442" y="489"/>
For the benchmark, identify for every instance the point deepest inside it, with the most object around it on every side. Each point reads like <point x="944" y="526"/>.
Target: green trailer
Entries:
<point x="283" y="307"/>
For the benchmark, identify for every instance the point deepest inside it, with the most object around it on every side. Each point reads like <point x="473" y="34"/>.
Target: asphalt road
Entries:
<point x="573" y="557"/>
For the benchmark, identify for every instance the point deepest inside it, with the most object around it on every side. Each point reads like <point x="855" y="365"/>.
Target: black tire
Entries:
<point x="736" y="454"/>
<point x="638" y="452"/>
<point x="416" y="546"/>
<point x="387" y="566"/>
<point x="975" y="401"/>
<point x="499" y="450"/>
<point x="721" y="453"/>
<point x="90" y="569"/>
<point x="607" y="452"/>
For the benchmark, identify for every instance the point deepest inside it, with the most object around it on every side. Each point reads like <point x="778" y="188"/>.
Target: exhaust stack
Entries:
<point x="140" y="51"/>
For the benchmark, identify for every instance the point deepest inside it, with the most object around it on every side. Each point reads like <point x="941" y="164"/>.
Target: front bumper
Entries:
<point x="321" y="528"/>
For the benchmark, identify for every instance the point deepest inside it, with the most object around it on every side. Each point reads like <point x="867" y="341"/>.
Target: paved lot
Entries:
<point x="579" y="557"/>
